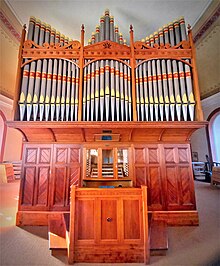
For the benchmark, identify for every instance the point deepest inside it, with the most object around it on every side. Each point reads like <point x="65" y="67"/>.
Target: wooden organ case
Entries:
<point x="107" y="115"/>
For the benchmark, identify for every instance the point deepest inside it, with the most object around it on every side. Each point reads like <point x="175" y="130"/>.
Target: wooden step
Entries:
<point x="158" y="238"/>
<point x="57" y="233"/>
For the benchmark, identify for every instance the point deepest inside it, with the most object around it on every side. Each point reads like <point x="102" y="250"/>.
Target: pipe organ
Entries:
<point x="107" y="114"/>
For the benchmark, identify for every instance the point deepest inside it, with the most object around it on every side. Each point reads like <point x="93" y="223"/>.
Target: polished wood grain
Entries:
<point x="83" y="132"/>
<point x="108" y="225"/>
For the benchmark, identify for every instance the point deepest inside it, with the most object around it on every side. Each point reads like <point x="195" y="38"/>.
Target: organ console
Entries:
<point x="107" y="114"/>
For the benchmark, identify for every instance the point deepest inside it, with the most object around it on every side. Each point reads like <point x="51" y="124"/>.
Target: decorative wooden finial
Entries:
<point x="82" y="27"/>
<point x="24" y="26"/>
<point x="189" y="27"/>
<point x="131" y="28"/>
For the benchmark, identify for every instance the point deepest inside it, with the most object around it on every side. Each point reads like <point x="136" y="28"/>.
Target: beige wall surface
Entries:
<point x="13" y="142"/>
<point x="9" y="46"/>
<point x="208" y="63"/>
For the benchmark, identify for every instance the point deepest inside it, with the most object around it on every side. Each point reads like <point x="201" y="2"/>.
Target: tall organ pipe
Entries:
<point x="129" y="93"/>
<point x="102" y="90"/>
<point x="137" y="92"/>
<point x="85" y="91"/>
<point x="126" y="93"/>
<point x="112" y="74"/>
<point x="73" y="92"/>
<point x="68" y="89"/>
<point x="117" y="89"/>
<point x="92" y="90"/>
<point x="107" y="25"/>
<point x="107" y="89"/>
<point x="32" y="74"/>
<point x="44" y="76"/>
<point x="88" y="98"/>
<point x="121" y="78"/>
<point x="97" y="90"/>
<point x="25" y="77"/>
<point x="160" y="90"/>
<point x="38" y="75"/>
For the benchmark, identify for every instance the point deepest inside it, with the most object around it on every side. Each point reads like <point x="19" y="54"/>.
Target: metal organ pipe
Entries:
<point x="38" y="75"/>
<point x="25" y="77"/>
<point x="107" y="89"/>
<point x="50" y="87"/>
<point x="32" y="74"/>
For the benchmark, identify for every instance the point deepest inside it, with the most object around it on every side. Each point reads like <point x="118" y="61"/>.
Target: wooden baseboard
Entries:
<point x="173" y="218"/>
<point x="24" y="218"/>
<point x="177" y="218"/>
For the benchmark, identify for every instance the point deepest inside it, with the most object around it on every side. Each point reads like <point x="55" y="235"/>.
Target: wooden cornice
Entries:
<point x="131" y="132"/>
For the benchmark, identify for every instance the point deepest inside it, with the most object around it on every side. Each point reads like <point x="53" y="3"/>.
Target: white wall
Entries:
<point x="199" y="139"/>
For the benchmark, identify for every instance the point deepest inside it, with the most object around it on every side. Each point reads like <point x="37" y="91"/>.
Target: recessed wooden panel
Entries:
<point x="61" y="155"/>
<point x="153" y="154"/>
<point x="139" y="155"/>
<point x="108" y="219"/>
<point x="73" y="179"/>
<point x="59" y="186"/>
<point x="184" y="173"/>
<point x="183" y="155"/>
<point x="44" y="155"/>
<point x="172" y="186"/>
<point x="85" y="219"/>
<point x="74" y="155"/>
<point x="42" y="186"/>
<point x="31" y="156"/>
<point x="154" y="187"/>
<point x="28" y="185"/>
<point x="132" y="226"/>
<point x="140" y="174"/>
<point x="169" y="155"/>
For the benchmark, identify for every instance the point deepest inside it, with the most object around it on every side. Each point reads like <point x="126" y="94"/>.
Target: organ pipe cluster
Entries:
<point x="163" y="87"/>
<point x="107" y="91"/>
<point x="49" y="88"/>
<point x="106" y="30"/>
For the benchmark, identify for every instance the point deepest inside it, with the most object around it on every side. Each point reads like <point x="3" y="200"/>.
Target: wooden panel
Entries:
<point x="42" y="186"/>
<point x="85" y="219"/>
<point x="122" y="239"/>
<point x="28" y="185"/>
<point x="109" y="219"/>
<point x="155" y="188"/>
<point x="172" y="187"/>
<point x="153" y="155"/>
<point x="169" y="155"/>
<point x="183" y="155"/>
<point x="140" y="174"/>
<point x="139" y="155"/>
<point x="186" y="188"/>
<point x="73" y="178"/>
<point x="61" y="155"/>
<point x="44" y="155"/>
<point x="59" y="185"/>
<point x="31" y="156"/>
<point x="74" y="155"/>
<point x="132" y="221"/>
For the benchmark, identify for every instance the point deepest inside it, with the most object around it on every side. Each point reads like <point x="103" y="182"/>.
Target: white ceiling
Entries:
<point x="146" y="16"/>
